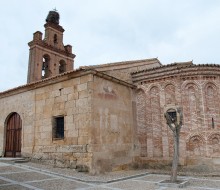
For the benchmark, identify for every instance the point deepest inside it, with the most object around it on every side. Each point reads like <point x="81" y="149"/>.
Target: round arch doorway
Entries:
<point x="13" y="136"/>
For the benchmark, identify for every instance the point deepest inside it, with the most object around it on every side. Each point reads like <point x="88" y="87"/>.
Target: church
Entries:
<point x="108" y="117"/>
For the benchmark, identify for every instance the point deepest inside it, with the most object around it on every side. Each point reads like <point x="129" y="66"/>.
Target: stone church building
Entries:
<point x="110" y="116"/>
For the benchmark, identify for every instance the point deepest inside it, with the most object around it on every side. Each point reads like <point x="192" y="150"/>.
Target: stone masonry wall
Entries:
<point x="24" y="105"/>
<point x="38" y="107"/>
<point x="71" y="99"/>
<point x="112" y="130"/>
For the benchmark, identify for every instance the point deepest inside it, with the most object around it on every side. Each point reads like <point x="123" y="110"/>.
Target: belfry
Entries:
<point x="48" y="57"/>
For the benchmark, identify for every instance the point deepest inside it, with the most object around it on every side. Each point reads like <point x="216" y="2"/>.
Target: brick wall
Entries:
<point x="199" y="98"/>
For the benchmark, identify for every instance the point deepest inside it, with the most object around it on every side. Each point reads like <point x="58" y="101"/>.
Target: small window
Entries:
<point x="58" y="128"/>
<point x="55" y="38"/>
<point x="172" y="114"/>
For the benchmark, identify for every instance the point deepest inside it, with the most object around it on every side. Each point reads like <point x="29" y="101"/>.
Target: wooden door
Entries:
<point x="13" y="136"/>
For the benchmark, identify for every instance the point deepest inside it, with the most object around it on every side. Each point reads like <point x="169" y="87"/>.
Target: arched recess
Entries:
<point x="211" y="105"/>
<point x="191" y="103"/>
<point x="13" y="135"/>
<point x="141" y="121"/>
<point x="170" y="94"/>
<point x="195" y="146"/>
<point x="62" y="66"/>
<point x="45" y="66"/>
<point x="214" y="145"/>
<point x="156" y="121"/>
<point x="141" y="109"/>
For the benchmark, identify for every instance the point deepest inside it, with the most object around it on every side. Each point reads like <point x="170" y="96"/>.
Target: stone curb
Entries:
<point x="82" y="180"/>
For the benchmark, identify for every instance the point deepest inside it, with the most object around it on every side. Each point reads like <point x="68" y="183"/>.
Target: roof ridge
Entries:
<point x="179" y="64"/>
<point x="42" y="80"/>
<point x="119" y="63"/>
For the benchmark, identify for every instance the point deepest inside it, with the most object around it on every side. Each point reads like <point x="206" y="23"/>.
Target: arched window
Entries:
<point x="45" y="66"/>
<point x="62" y="66"/>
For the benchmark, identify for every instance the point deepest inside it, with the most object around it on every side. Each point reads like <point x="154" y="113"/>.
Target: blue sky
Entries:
<point x="104" y="31"/>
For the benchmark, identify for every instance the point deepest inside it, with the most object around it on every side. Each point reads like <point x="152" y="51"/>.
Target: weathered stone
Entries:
<point x="71" y="148"/>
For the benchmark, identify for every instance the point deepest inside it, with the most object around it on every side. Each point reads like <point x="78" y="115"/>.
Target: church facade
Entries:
<point x="110" y="116"/>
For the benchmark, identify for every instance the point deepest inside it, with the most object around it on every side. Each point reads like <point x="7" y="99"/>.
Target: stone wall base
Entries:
<point x="62" y="159"/>
<point x="186" y="164"/>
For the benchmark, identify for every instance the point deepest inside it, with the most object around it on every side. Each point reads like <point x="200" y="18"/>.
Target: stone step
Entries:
<point x="15" y="160"/>
<point x="21" y="161"/>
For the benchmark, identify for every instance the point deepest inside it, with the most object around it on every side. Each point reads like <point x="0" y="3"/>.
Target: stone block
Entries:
<point x="82" y="168"/>
<point x="72" y="164"/>
<point x="55" y="93"/>
<point x="56" y="156"/>
<point x="40" y="90"/>
<point x="70" y="104"/>
<point x="75" y="81"/>
<point x="47" y="110"/>
<point x="59" y="99"/>
<point x="57" y="86"/>
<point x="68" y="83"/>
<point x="40" y="97"/>
<point x="84" y="124"/>
<point x="72" y="140"/>
<point x="90" y="85"/>
<point x="41" y="156"/>
<point x="178" y="184"/>
<point x="69" y="119"/>
<point x="83" y="94"/>
<point x="83" y="132"/>
<point x="83" y="140"/>
<point x="67" y="90"/>
<point x="85" y="109"/>
<point x="86" y="78"/>
<point x="216" y="161"/>
<point x="71" y="149"/>
<point x="48" y="149"/>
<point x="83" y="102"/>
<point x="81" y="87"/>
<point x="73" y="96"/>
<point x="84" y="117"/>
<point x="71" y="132"/>
<point x="46" y="135"/>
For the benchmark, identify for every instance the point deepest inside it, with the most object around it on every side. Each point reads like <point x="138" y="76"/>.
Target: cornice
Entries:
<point x="123" y="63"/>
<point x="192" y="71"/>
<point x="55" y="26"/>
<point x="44" y="45"/>
<point x="60" y="78"/>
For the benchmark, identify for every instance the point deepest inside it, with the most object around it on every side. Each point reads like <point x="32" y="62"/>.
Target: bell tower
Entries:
<point x="49" y="57"/>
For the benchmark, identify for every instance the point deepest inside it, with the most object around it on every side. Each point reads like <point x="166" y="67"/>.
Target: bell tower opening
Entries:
<point x="48" y="56"/>
<point x="62" y="66"/>
<point x="55" y="39"/>
<point x="45" y="66"/>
